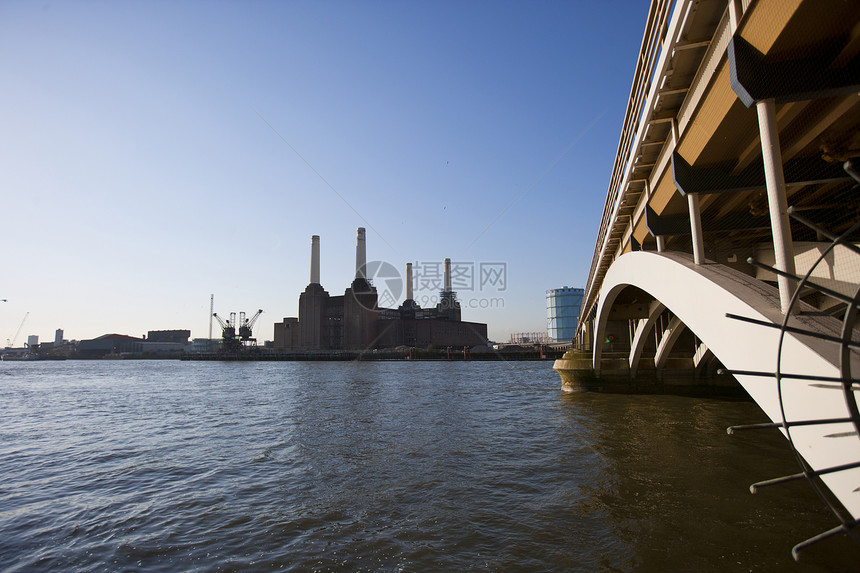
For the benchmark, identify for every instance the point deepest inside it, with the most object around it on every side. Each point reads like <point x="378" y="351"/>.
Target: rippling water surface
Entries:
<point x="384" y="466"/>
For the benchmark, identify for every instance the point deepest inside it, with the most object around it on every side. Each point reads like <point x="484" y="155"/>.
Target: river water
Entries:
<point x="385" y="466"/>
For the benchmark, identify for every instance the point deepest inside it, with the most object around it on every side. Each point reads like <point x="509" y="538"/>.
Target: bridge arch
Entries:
<point x="700" y="296"/>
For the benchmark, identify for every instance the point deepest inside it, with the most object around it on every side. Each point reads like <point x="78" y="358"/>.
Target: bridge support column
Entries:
<point x="640" y="337"/>
<point x="696" y="228"/>
<point x="735" y="13"/>
<point x="702" y="356"/>
<point x="783" y="248"/>
<point x="667" y="341"/>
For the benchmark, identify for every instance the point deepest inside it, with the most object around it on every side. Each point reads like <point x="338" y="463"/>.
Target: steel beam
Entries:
<point x="721" y="179"/>
<point x="756" y="77"/>
<point x="679" y="225"/>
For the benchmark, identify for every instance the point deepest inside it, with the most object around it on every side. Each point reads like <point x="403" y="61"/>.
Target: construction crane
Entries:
<point x="11" y="342"/>
<point x="231" y="341"/>
<point x="246" y="324"/>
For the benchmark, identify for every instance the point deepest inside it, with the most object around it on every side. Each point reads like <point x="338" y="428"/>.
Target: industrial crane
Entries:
<point x="246" y="324"/>
<point x="230" y="340"/>
<point x="11" y="342"/>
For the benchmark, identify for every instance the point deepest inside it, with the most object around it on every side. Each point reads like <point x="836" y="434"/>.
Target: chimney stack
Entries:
<point x="409" y="281"/>
<point x="315" y="259"/>
<point x="448" y="275"/>
<point x="360" y="254"/>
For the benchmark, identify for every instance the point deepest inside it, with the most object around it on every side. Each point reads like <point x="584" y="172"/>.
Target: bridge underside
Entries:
<point x="737" y="174"/>
<point x="662" y="324"/>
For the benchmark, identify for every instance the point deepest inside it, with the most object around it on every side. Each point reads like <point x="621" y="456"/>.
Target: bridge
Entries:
<point x="726" y="257"/>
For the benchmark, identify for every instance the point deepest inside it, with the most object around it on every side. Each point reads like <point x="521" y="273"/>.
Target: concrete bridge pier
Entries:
<point x="688" y="375"/>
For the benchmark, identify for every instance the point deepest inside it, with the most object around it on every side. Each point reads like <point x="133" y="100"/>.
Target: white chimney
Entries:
<point x="448" y="275"/>
<point x="315" y="259"/>
<point x="409" y="281"/>
<point x="360" y="254"/>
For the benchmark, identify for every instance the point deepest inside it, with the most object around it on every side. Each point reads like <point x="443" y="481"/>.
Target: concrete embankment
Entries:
<point x="414" y="354"/>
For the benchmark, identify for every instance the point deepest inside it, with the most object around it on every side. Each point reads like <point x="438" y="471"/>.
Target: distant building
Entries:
<point x="175" y="336"/>
<point x="287" y="334"/>
<point x="58" y="337"/>
<point x="356" y="321"/>
<point x="562" y="312"/>
<point x="109" y="344"/>
<point x="33" y="341"/>
<point x="158" y="343"/>
<point x="526" y="338"/>
<point x="199" y="345"/>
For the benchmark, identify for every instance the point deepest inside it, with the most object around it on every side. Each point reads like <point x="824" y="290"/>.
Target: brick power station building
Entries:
<point x="354" y="321"/>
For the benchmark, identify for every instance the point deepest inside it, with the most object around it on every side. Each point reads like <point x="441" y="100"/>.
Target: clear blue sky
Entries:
<point x="139" y="173"/>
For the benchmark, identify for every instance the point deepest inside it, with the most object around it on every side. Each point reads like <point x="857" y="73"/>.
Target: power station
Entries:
<point x="356" y="322"/>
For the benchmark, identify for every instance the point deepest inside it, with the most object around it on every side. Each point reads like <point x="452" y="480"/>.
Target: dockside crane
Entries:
<point x="10" y="342"/>
<point x="246" y="324"/>
<point x="231" y="340"/>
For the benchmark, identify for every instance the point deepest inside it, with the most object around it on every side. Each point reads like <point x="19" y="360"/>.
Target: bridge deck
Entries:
<point x="739" y="110"/>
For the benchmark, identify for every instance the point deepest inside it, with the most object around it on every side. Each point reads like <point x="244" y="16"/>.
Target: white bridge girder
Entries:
<point x="667" y="341"/>
<point x="699" y="297"/>
<point x="643" y="330"/>
<point x="702" y="355"/>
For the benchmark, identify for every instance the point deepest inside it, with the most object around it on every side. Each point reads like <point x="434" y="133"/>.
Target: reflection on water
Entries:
<point x="385" y="466"/>
<point x="677" y="487"/>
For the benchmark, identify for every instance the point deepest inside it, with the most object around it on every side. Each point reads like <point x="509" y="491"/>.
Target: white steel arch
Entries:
<point x="701" y="296"/>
